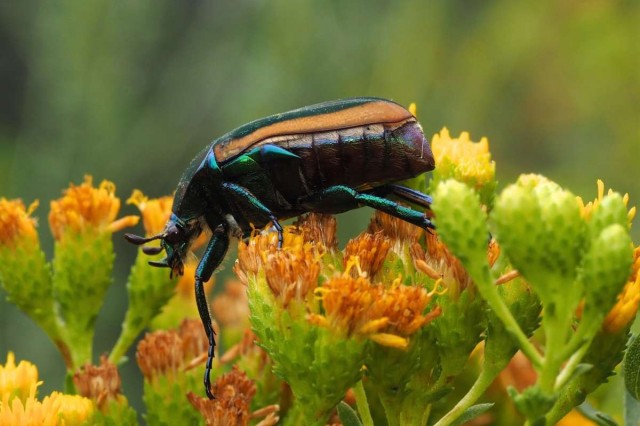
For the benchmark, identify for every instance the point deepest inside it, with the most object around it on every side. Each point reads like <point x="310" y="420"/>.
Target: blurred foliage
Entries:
<point x="130" y="91"/>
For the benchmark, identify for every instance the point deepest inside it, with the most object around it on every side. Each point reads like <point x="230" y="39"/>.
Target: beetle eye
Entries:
<point x="174" y="235"/>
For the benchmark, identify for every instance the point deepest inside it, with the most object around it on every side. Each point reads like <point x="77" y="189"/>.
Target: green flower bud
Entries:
<point x="605" y="269"/>
<point x="461" y="223"/>
<point x="540" y="227"/>
<point x="611" y="209"/>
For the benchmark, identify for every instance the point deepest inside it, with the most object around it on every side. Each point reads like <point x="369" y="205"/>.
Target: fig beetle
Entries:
<point x="326" y="158"/>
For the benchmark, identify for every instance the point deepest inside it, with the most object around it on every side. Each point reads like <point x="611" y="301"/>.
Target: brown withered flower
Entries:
<point x="234" y="392"/>
<point x="320" y="229"/>
<point x="160" y="353"/>
<point x="100" y="383"/>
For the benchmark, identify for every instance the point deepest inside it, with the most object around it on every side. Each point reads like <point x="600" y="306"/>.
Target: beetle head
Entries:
<point x="176" y="239"/>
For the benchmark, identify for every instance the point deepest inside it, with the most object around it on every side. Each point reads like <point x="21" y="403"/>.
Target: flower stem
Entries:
<point x="490" y="293"/>
<point x="363" y="404"/>
<point x="481" y="384"/>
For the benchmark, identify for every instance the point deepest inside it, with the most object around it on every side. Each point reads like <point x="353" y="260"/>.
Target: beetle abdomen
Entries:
<point x="360" y="157"/>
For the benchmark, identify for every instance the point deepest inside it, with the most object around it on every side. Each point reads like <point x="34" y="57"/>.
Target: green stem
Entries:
<point x="489" y="292"/>
<point x="391" y="409"/>
<point x="125" y="340"/>
<point x="570" y="367"/>
<point x="415" y="412"/>
<point x="362" y="404"/>
<point x="481" y="384"/>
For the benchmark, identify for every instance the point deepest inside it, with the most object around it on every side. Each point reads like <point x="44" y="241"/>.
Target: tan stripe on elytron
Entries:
<point x="376" y="112"/>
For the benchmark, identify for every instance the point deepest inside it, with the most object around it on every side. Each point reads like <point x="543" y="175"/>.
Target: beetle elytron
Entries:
<point x="325" y="158"/>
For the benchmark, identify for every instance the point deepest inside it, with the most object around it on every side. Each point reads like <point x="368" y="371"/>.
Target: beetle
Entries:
<point x="325" y="158"/>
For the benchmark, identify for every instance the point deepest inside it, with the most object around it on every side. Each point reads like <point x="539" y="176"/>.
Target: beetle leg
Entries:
<point x="213" y="255"/>
<point x="410" y="195"/>
<point x="242" y="195"/>
<point x="379" y="203"/>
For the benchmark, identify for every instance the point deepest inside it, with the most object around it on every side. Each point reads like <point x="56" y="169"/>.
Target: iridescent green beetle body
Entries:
<point x="327" y="158"/>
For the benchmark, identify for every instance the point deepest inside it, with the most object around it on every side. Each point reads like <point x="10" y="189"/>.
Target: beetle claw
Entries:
<point x="159" y="264"/>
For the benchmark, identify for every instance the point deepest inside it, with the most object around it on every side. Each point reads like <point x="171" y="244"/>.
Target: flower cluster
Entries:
<point x="530" y="286"/>
<point x="20" y="406"/>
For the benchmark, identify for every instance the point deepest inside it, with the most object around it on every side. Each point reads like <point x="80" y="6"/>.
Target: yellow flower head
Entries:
<point x="626" y="307"/>
<point x="84" y="208"/>
<point x="155" y="212"/>
<point x="17" y="381"/>
<point x="16" y="223"/>
<point x="462" y="159"/>
<point x="588" y="208"/>
<point x="388" y="316"/>
<point x="56" y="409"/>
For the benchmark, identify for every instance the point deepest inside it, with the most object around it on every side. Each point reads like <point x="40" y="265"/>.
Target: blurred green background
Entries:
<point x="131" y="91"/>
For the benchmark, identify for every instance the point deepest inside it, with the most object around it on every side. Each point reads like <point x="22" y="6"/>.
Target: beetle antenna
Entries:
<point x="151" y="250"/>
<point x="138" y="240"/>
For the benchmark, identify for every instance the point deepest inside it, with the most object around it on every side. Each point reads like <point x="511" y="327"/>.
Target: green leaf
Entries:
<point x="596" y="416"/>
<point x="347" y="415"/>
<point x="472" y="412"/>
<point x="631" y="369"/>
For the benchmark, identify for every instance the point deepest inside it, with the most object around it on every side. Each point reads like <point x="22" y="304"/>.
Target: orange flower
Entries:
<point x="371" y="251"/>
<point x="155" y="212"/>
<point x="83" y="208"/>
<point x="16" y="222"/>
<point x="388" y="316"/>
<point x="626" y="307"/>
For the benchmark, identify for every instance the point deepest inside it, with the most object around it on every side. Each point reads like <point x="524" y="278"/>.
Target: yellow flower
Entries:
<point x="588" y="208"/>
<point x="155" y="212"/>
<point x="388" y="316"/>
<point x="83" y="208"/>
<point x="17" y="381"/>
<point x="626" y="307"/>
<point x="55" y="409"/>
<point x="16" y="223"/>
<point x="462" y="159"/>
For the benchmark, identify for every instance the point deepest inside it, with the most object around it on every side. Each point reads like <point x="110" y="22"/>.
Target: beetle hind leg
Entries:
<point x="340" y="192"/>
<point x="409" y="195"/>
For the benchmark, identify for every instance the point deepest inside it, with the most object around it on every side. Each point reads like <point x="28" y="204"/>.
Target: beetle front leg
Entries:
<point x="243" y="197"/>
<point x="211" y="259"/>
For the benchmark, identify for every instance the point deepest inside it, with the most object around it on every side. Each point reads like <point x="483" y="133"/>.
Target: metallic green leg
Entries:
<point x="211" y="259"/>
<point x="379" y="203"/>
<point x="242" y="195"/>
